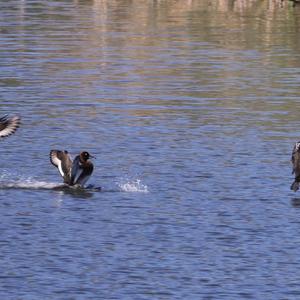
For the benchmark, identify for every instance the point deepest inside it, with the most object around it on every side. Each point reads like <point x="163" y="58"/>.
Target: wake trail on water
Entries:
<point x="21" y="182"/>
<point x="13" y="181"/>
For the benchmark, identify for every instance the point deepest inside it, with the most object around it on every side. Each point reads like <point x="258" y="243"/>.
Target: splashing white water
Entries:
<point x="9" y="180"/>
<point x="28" y="184"/>
<point x="133" y="186"/>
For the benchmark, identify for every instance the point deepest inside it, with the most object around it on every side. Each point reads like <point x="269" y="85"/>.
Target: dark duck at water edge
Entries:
<point x="8" y="125"/>
<point x="76" y="172"/>
<point x="296" y="166"/>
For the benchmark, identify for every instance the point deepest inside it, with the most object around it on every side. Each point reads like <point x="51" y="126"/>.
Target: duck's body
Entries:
<point x="76" y="172"/>
<point x="8" y="125"/>
<point x="296" y="166"/>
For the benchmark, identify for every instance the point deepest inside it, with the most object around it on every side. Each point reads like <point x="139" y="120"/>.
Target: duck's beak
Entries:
<point x="92" y="156"/>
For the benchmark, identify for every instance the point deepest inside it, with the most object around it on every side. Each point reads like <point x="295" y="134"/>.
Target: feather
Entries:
<point x="63" y="161"/>
<point x="9" y="125"/>
<point x="76" y="169"/>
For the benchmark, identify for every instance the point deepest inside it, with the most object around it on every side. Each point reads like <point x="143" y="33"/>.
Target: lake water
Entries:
<point x="191" y="109"/>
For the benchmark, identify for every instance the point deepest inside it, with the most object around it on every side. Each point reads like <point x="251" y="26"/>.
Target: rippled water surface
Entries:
<point x="191" y="109"/>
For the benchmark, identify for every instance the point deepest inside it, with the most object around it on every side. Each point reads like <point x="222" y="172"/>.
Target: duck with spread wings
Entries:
<point x="74" y="172"/>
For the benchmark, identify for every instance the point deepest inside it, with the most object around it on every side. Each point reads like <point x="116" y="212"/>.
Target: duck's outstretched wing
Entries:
<point x="9" y="125"/>
<point x="85" y="174"/>
<point x="81" y="172"/>
<point x="76" y="169"/>
<point x="63" y="161"/>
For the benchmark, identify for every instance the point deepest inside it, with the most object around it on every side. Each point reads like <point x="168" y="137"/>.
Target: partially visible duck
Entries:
<point x="9" y="125"/>
<point x="296" y="166"/>
<point x="76" y="172"/>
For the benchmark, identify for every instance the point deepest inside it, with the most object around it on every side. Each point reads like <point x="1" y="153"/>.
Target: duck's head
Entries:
<point x="84" y="156"/>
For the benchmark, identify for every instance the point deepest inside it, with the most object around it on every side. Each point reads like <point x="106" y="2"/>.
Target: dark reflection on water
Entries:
<point x="296" y="202"/>
<point x="191" y="110"/>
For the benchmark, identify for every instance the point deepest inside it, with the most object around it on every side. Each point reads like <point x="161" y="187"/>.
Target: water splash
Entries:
<point x="9" y="180"/>
<point x="27" y="184"/>
<point x="133" y="186"/>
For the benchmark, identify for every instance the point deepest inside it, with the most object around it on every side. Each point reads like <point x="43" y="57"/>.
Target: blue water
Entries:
<point x="191" y="112"/>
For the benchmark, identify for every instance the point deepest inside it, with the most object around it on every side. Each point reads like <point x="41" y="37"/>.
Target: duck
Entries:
<point x="74" y="172"/>
<point x="296" y="166"/>
<point x="8" y="125"/>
